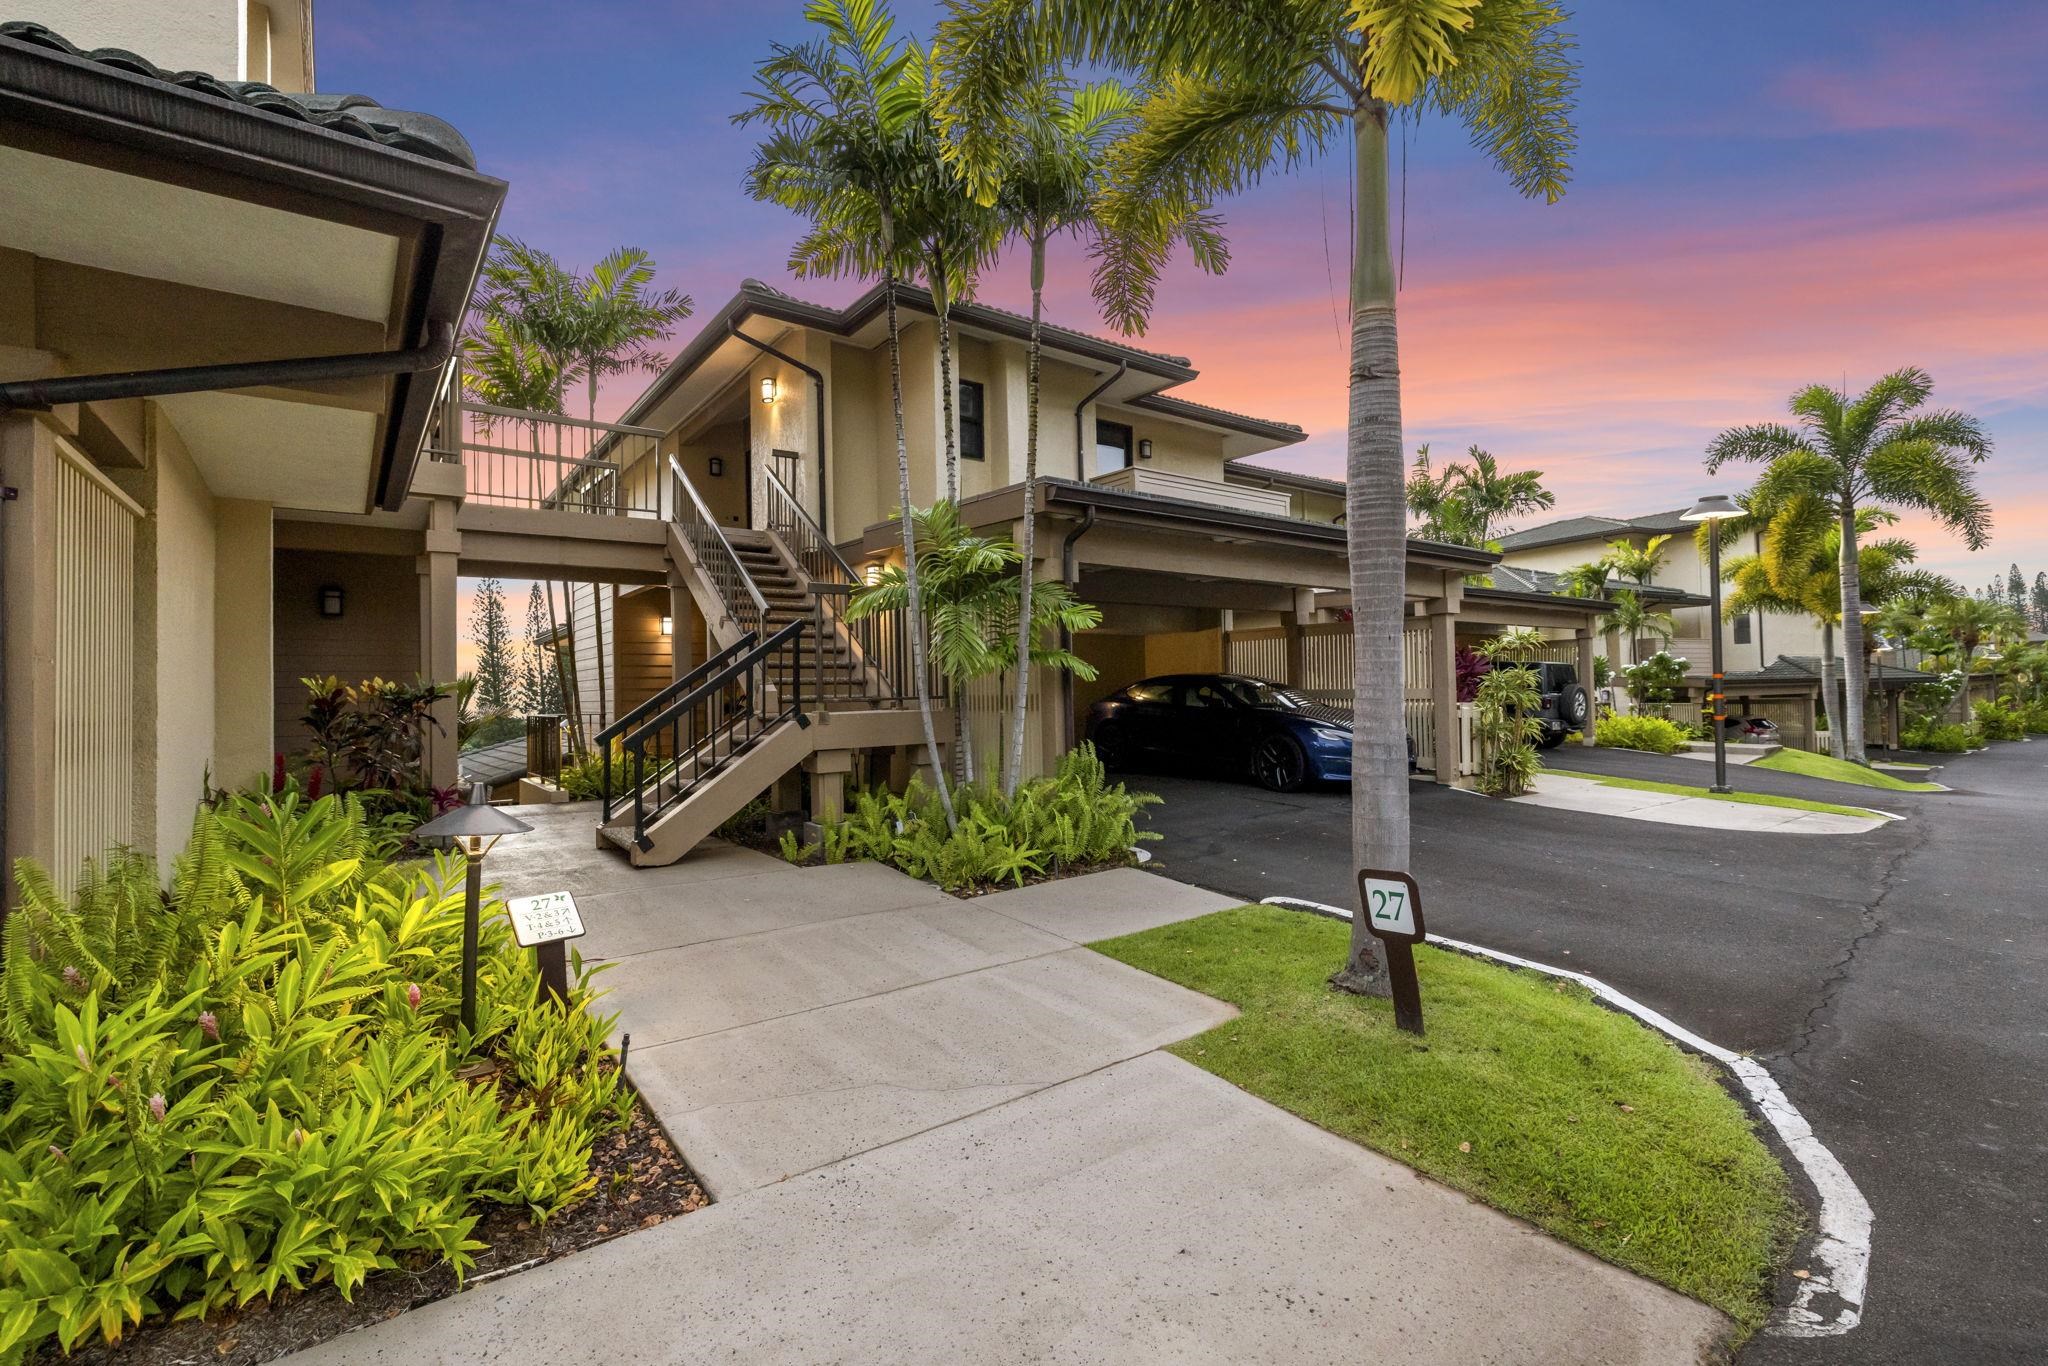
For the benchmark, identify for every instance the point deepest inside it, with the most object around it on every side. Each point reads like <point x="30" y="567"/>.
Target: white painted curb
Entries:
<point x="1841" y="1243"/>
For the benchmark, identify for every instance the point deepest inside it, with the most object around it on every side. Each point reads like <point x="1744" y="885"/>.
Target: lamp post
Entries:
<point x="1713" y="508"/>
<point x="475" y="829"/>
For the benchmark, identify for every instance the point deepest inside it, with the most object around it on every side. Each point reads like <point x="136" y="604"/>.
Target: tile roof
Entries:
<point x="353" y="115"/>
<point x="1586" y="528"/>
<point x="494" y="764"/>
<point x="1257" y="426"/>
<point x="1806" y="669"/>
<point x="1543" y="581"/>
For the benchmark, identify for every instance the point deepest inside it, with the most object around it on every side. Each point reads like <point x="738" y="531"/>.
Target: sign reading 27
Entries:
<point x="1392" y="904"/>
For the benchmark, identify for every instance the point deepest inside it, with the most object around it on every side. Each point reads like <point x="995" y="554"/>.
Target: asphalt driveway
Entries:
<point x="1892" y="982"/>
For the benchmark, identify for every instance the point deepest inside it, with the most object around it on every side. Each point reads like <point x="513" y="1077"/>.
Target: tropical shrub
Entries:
<point x="1472" y="666"/>
<point x="584" y="778"/>
<point x="1937" y="738"/>
<point x="2034" y="717"/>
<point x="1506" y="728"/>
<point x="1999" y="722"/>
<point x="1652" y="734"/>
<point x="1658" y="678"/>
<point x="1070" y="819"/>
<point x="256" y="1082"/>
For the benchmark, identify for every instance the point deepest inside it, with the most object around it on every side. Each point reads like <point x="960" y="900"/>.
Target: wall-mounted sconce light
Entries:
<point x="1145" y="449"/>
<point x="330" y="600"/>
<point x="871" y="573"/>
<point x="717" y="466"/>
<point x="767" y="388"/>
<point x="668" y="626"/>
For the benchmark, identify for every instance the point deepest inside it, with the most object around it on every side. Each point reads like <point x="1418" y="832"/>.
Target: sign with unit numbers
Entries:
<point x="1392" y="906"/>
<point x="545" y="919"/>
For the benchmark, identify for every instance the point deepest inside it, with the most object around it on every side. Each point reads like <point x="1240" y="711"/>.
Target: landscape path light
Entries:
<point x="475" y="829"/>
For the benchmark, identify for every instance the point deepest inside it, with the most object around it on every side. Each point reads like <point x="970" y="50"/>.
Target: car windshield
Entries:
<point x="1260" y="693"/>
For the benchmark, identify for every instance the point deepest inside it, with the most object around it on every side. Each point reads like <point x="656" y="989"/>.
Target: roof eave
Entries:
<point x="169" y="125"/>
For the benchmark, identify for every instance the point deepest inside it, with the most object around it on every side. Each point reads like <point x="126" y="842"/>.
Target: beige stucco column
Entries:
<point x="682" y="618"/>
<point x="1612" y="641"/>
<point x="1443" y="686"/>
<point x="244" y="693"/>
<point x="1304" y="612"/>
<point x="1892" y="728"/>
<point x="828" y="769"/>
<point x="438" y="629"/>
<point x="1584" y="637"/>
<point x="28" y="566"/>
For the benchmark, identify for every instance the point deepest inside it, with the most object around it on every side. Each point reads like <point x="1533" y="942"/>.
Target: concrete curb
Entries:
<point x="1841" y="1243"/>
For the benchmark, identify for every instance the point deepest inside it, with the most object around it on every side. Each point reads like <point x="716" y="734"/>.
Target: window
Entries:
<point x="1156" y="690"/>
<point x="1212" y="694"/>
<point x="1742" y="629"/>
<point x="971" y="439"/>
<point x="1112" y="447"/>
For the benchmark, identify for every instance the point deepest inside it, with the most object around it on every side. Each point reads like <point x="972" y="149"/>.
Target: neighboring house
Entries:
<point x="313" y="254"/>
<point x="1750" y="641"/>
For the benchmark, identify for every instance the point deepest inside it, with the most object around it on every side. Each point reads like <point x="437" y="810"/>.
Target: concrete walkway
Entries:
<point x="1574" y="793"/>
<point x="941" y="1131"/>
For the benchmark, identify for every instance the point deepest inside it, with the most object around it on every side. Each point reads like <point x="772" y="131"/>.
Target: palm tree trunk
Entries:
<point x="1376" y="539"/>
<point x="1852" y="640"/>
<point x="914" y="608"/>
<point x="1827" y="688"/>
<point x="942" y="306"/>
<point x="1020" y="707"/>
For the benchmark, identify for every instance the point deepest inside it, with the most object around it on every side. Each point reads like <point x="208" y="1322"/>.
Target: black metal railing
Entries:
<point x="744" y="605"/>
<point x="602" y="742"/>
<point x="712" y="725"/>
<point x="864" y="659"/>
<point x="544" y="746"/>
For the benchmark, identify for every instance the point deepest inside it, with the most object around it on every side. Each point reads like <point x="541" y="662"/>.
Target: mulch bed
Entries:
<point x="641" y="1181"/>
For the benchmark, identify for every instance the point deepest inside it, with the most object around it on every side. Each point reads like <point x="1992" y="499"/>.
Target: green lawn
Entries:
<point x="1745" y="798"/>
<point x="1525" y="1094"/>
<point x="1838" y="770"/>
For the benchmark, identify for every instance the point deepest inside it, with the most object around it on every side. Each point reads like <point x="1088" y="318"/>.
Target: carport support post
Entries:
<point x="1297" y="656"/>
<point x="1584" y="637"/>
<point x="682" y="622"/>
<point x="1891" y="718"/>
<point x="1443" y="686"/>
<point x="1613" y="671"/>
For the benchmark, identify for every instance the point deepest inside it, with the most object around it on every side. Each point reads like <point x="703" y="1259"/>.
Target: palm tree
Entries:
<point x="1874" y="448"/>
<point x="1239" y="90"/>
<point x="843" y="113"/>
<point x="972" y="595"/>
<point x="1489" y="497"/>
<point x="1431" y="497"/>
<point x="1588" y="580"/>
<point x="1627" y="615"/>
<point x="1052" y="158"/>
<point x="1639" y="563"/>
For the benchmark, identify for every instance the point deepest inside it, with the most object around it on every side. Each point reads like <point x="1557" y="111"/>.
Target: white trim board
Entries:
<point x="1841" y="1244"/>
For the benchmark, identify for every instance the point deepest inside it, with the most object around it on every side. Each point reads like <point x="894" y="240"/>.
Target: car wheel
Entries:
<point x="1111" y="747"/>
<point x="1279" y="765"/>
<point x="1574" y="706"/>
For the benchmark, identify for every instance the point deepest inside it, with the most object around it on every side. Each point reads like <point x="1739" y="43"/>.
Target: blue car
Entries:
<point x="1244" y="726"/>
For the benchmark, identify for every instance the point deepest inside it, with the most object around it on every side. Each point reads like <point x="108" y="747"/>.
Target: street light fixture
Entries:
<point x="475" y="829"/>
<point x="1715" y="507"/>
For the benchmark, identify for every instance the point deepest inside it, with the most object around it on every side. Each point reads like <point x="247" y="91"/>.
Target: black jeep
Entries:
<point x="1567" y="706"/>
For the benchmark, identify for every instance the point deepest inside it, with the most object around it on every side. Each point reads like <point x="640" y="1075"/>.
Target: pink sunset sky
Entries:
<point x="1764" y="197"/>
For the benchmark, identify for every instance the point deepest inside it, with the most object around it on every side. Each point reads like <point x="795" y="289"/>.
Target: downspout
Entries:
<point x="42" y="394"/>
<point x="1080" y="446"/>
<point x="732" y="325"/>
<point x="1071" y="576"/>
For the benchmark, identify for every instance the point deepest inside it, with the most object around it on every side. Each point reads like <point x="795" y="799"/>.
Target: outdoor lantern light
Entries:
<point x="717" y="466"/>
<point x="474" y="829"/>
<point x="767" y="388"/>
<point x="1715" y="507"/>
<point x="668" y="626"/>
<point x="330" y="600"/>
<point x="1145" y="448"/>
<point x="871" y="573"/>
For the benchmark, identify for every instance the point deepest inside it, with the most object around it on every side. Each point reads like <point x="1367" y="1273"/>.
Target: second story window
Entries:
<point x="972" y="440"/>
<point x="1742" y="629"/>
<point x="1112" y="447"/>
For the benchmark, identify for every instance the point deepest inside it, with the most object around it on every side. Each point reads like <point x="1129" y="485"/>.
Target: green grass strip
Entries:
<point x="1525" y="1094"/>
<point x="1741" y="798"/>
<point x="1838" y="771"/>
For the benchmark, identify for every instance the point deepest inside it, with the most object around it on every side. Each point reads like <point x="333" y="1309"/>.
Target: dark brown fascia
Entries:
<point x="1279" y="433"/>
<point x="144" y="127"/>
<point x="844" y="323"/>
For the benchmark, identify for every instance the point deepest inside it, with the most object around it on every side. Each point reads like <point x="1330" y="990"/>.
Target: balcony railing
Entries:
<point x="1189" y="489"/>
<point x="514" y="458"/>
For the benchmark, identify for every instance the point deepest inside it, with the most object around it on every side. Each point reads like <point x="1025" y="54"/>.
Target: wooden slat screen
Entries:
<point x="94" y="784"/>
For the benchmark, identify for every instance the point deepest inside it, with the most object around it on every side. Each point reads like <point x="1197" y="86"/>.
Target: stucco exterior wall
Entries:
<point x="177" y="572"/>
<point x="377" y="634"/>
<point x="244" y="689"/>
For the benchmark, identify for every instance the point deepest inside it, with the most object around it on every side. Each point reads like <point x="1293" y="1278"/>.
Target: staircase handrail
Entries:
<point x="709" y="687"/>
<point x="703" y="532"/>
<point x="688" y="680"/>
<point x="812" y="541"/>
